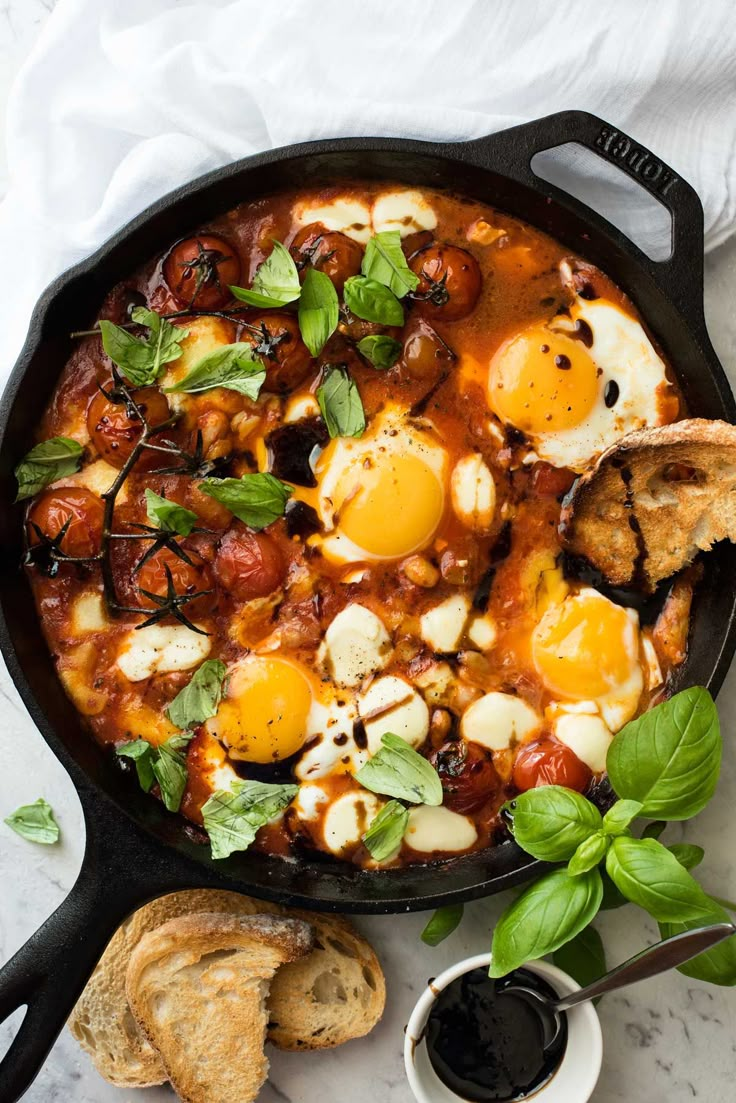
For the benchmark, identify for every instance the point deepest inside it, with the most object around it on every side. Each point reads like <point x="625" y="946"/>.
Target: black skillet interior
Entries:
<point x="136" y="850"/>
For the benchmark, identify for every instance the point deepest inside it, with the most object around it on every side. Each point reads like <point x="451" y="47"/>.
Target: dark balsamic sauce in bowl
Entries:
<point x="487" y="1046"/>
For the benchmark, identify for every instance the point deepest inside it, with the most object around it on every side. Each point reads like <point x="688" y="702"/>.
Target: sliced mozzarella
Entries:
<point x="300" y="407"/>
<point x="349" y="216"/>
<point x="435" y="681"/>
<point x="98" y="477"/>
<point x="332" y="748"/>
<point x="392" y="705"/>
<point x="347" y="820"/>
<point x="88" y="613"/>
<point x="483" y="632"/>
<point x="434" y="829"/>
<point x="356" y="644"/>
<point x="498" y="721"/>
<point x="309" y="801"/>
<point x="473" y="492"/>
<point x="405" y="211"/>
<point x="587" y="736"/>
<point x="161" y="649"/>
<point x="442" y="627"/>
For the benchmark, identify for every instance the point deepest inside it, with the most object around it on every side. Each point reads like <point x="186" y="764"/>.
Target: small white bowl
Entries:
<point x="579" y="1069"/>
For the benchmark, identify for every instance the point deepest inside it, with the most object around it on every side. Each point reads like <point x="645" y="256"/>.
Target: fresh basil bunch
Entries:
<point x="664" y="764"/>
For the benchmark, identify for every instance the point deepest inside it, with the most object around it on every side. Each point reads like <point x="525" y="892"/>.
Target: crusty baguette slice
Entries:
<point x="102" y="1022"/>
<point x="653" y="501"/>
<point x="197" y="987"/>
<point x="330" y="996"/>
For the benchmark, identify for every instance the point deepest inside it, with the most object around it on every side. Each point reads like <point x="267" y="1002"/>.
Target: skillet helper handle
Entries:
<point x="511" y="151"/>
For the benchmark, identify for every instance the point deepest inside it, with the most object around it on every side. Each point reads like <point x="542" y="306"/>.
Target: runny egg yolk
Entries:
<point x="585" y="647"/>
<point x="395" y="507"/>
<point x="264" y="715"/>
<point x="543" y="382"/>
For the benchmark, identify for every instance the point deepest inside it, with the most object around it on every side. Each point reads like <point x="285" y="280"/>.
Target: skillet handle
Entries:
<point x="122" y="869"/>
<point x="511" y="151"/>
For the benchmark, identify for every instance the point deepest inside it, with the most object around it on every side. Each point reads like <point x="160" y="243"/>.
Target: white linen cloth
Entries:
<point x="122" y="100"/>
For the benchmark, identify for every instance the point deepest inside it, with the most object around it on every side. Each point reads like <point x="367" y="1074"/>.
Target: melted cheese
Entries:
<point x="498" y="721"/>
<point x="356" y="644"/>
<point x="161" y="649"/>
<point x="442" y="627"/>
<point x="347" y="820"/>
<point x="399" y="709"/>
<point x="438" y="829"/>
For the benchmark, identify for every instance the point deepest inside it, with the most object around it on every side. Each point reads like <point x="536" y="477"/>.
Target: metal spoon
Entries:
<point x="656" y="959"/>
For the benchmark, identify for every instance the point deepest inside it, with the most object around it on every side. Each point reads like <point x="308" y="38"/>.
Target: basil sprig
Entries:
<point x="45" y="463"/>
<point x="165" y="764"/>
<point x="380" y="350"/>
<point x="256" y="499"/>
<point x="663" y="763"/>
<point x="372" y="301"/>
<point x="169" y="516"/>
<point x="35" y="822"/>
<point x="232" y="819"/>
<point x="141" y="359"/>
<point x="385" y="262"/>
<point x="441" y="924"/>
<point x="383" y="837"/>
<point x="319" y="310"/>
<point x="275" y="283"/>
<point x="235" y="367"/>
<point x="397" y="770"/>
<point x="341" y="405"/>
<point x="200" y="698"/>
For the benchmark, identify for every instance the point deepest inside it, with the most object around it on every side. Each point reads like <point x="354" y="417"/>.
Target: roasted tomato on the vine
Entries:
<point x="549" y="762"/>
<point x="73" y="509"/>
<point x="333" y="253"/>
<point x="199" y="271"/>
<point x="115" y="429"/>
<point x="425" y="355"/>
<point x="467" y="774"/>
<point x="449" y="282"/>
<point x="249" y="564"/>
<point x="166" y="570"/>
<point x="277" y="340"/>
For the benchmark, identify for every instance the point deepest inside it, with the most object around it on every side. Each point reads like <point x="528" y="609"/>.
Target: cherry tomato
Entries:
<point x="115" y="434"/>
<point x="249" y="564"/>
<point x="286" y="358"/>
<point x="333" y="253"/>
<point x="467" y="774"/>
<point x="187" y="578"/>
<point x="551" y="482"/>
<point x="83" y="511"/>
<point x="449" y="281"/>
<point x="549" y="762"/>
<point x="425" y="355"/>
<point x="199" y="270"/>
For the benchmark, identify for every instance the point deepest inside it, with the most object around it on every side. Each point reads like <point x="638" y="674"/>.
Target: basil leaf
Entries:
<point x="648" y="875"/>
<point x="669" y="758"/>
<point x="612" y="898"/>
<point x="396" y="770"/>
<point x="551" y="822"/>
<point x="373" y="302"/>
<point x="169" y="516"/>
<point x="380" y="349"/>
<point x="548" y="914"/>
<point x="200" y="699"/>
<point x="620" y="815"/>
<point x="45" y="463"/>
<point x="170" y="771"/>
<point x="688" y="854"/>
<point x="385" y="262"/>
<point x="319" y="310"/>
<point x="35" y="822"/>
<point x="341" y="405"/>
<point x="276" y="281"/>
<point x="140" y="359"/>
<point x="653" y="830"/>
<point x="232" y="819"/>
<point x="583" y="957"/>
<point x="235" y="367"/>
<point x="716" y="966"/>
<point x="141" y="751"/>
<point x="442" y="923"/>
<point x="588" y="854"/>
<point x="383" y="837"/>
<point x="257" y="500"/>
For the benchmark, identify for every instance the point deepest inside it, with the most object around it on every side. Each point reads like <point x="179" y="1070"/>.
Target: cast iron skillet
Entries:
<point x="135" y="851"/>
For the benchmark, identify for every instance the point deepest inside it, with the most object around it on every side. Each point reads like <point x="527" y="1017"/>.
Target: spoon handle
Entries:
<point x="656" y="959"/>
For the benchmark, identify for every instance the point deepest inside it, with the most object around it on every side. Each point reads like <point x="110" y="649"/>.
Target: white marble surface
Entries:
<point x="668" y="1041"/>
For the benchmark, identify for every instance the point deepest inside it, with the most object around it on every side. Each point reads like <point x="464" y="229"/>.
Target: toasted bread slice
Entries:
<point x="197" y="987"/>
<point x="102" y="1022"/>
<point x="653" y="501"/>
<point x="330" y="996"/>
